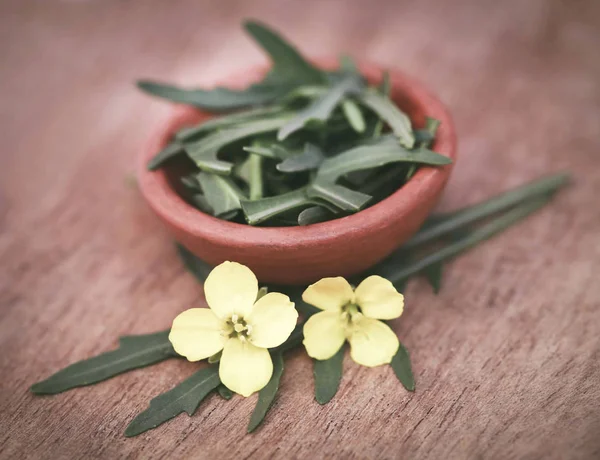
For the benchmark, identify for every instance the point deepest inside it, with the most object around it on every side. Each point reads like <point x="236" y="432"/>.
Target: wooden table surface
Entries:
<point x="507" y="357"/>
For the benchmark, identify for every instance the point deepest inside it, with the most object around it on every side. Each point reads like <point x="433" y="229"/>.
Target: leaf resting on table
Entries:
<point x="402" y="368"/>
<point x="267" y="395"/>
<point x="328" y="374"/>
<point x="134" y="351"/>
<point x="185" y="397"/>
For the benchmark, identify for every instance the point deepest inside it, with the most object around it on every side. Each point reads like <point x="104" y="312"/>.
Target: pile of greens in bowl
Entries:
<point x="301" y="146"/>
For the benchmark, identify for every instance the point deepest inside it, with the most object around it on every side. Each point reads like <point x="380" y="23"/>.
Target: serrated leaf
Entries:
<point x="221" y="193"/>
<point x="321" y="108"/>
<point x="328" y="374"/>
<point x="266" y="396"/>
<point x="185" y="397"/>
<point x="354" y="115"/>
<point x="310" y="158"/>
<point x="171" y="151"/>
<point x="133" y="352"/>
<point x="288" y="63"/>
<point x="224" y="392"/>
<point x="204" y="152"/>
<point x="392" y="115"/>
<point x="402" y="368"/>
<point x="218" y="99"/>
<point x="195" y="265"/>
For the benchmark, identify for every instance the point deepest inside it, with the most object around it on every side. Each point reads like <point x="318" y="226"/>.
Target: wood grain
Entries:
<point x="507" y="357"/>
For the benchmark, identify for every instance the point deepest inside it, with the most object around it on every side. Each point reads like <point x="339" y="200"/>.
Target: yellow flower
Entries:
<point x="353" y="316"/>
<point x="237" y="324"/>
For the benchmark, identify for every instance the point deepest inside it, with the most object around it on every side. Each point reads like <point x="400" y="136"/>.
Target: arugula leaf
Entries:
<point x="320" y="110"/>
<point x="185" y="397"/>
<point x="310" y="158"/>
<point x="328" y="374"/>
<point x="344" y="198"/>
<point x="134" y="351"/>
<point x="193" y="264"/>
<point x="221" y="193"/>
<point x="393" y="116"/>
<point x="433" y="274"/>
<point x="258" y="211"/>
<point x="224" y="392"/>
<point x="226" y="121"/>
<point x="385" y="88"/>
<point x="204" y="152"/>
<point x="288" y="64"/>
<point x="354" y="115"/>
<point x="266" y="396"/>
<point x="373" y="156"/>
<point x="314" y="215"/>
<point x="273" y="151"/>
<point x="171" y="151"/>
<point x="218" y="99"/>
<point x="502" y="202"/>
<point x="401" y="366"/>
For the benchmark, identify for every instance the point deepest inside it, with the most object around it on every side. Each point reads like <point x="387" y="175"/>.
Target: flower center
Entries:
<point x="237" y="327"/>
<point x="351" y="313"/>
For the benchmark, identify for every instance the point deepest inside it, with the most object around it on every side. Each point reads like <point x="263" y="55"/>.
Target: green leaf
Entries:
<point x="288" y="64"/>
<point x="348" y="66"/>
<point x="310" y="158"/>
<point x="204" y="152"/>
<point x="273" y="151"/>
<point x="385" y="89"/>
<point x="393" y="116"/>
<point x="218" y="99"/>
<point x="328" y="374"/>
<point x="185" y="397"/>
<point x="224" y="392"/>
<point x="375" y="155"/>
<point x="195" y="265"/>
<point x="433" y="274"/>
<point x="321" y="109"/>
<point x="401" y="366"/>
<point x="220" y="192"/>
<point x="171" y="151"/>
<point x="502" y="202"/>
<point x="396" y="271"/>
<point x="225" y="121"/>
<point x="354" y="115"/>
<point x="344" y="198"/>
<point x="266" y="396"/>
<point x="134" y="351"/>
<point x="255" y="176"/>
<point x="314" y="215"/>
<point x="258" y="211"/>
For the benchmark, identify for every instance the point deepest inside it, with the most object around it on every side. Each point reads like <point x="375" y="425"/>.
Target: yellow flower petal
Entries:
<point x="372" y="343"/>
<point x="272" y="320"/>
<point x="245" y="368"/>
<point x="196" y="334"/>
<point x="230" y="288"/>
<point x="324" y="335"/>
<point x="329" y="293"/>
<point x="378" y="298"/>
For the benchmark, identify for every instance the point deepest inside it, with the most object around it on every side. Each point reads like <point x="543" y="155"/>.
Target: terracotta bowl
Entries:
<point x="302" y="255"/>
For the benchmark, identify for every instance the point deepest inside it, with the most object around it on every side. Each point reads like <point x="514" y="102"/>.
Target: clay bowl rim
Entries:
<point x="165" y="202"/>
